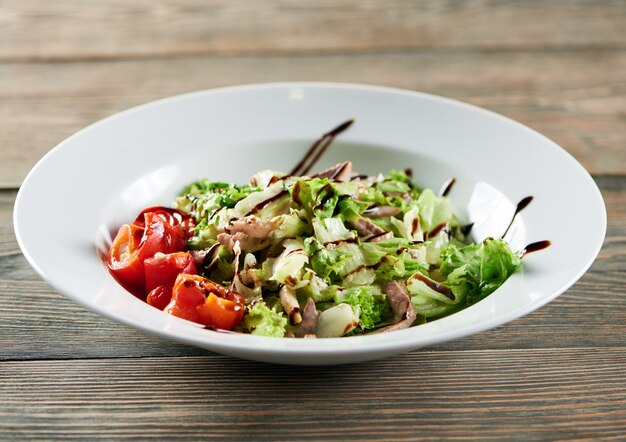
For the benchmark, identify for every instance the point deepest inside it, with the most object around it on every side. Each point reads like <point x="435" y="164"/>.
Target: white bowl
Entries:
<point x="105" y="174"/>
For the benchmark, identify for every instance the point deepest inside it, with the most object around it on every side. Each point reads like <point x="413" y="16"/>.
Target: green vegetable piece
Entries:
<point x="477" y="270"/>
<point x="371" y="304"/>
<point x="433" y="210"/>
<point x="263" y="321"/>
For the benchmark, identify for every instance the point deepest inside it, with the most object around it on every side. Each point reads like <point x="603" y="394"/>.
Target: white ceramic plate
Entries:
<point x="105" y="174"/>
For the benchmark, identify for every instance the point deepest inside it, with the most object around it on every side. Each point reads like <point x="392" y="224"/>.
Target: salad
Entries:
<point x="306" y="255"/>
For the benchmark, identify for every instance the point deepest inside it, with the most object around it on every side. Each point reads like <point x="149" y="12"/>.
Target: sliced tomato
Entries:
<point x="123" y="261"/>
<point x="163" y="269"/>
<point x="173" y="217"/>
<point x="128" y="252"/>
<point x="200" y="300"/>
<point x="160" y="296"/>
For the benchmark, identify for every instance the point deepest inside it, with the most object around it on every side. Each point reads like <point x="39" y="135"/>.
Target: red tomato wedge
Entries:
<point x="135" y="243"/>
<point x="163" y="269"/>
<point x="200" y="300"/>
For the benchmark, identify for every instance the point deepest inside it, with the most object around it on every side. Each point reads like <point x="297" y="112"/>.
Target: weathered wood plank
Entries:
<point x="37" y="29"/>
<point x="547" y="394"/>
<point x="36" y="322"/>
<point x="573" y="97"/>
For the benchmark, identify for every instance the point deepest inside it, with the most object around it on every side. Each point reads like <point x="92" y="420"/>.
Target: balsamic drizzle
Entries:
<point x="520" y="206"/>
<point x="535" y="247"/>
<point x="318" y="148"/>
<point x="445" y="190"/>
<point x="376" y="235"/>
<point x="438" y="228"/>
<point x="439" y="288"/>
<point x="264" y="203"/>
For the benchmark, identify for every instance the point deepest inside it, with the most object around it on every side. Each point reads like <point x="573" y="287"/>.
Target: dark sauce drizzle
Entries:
<point x="376" y="235"/>
<point x="436" y="230"/>
<point x="520" y="206"/>
<point x="318" y="148"/>
<point x="295" y="193"/>
<point x="264" y="203"/>
<point x="338" y="242"/>
<point x="328" y="188"/>
<point x="467" y="228"/>
<point x="447" y="187"/>
<point x="535" y="247"/>
<point x="439" y="288"/>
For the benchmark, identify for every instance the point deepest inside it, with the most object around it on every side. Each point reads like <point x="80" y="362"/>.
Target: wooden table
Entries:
<point x="557" y="66"/>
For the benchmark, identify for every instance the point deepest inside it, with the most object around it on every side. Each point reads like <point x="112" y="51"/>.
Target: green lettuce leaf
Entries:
<point x="288" y="267"/>
<point x="477" y="270"/>
<point x="327" y="263"/>
<point x="433" y="210"/>
<point x="369" y="302"/>
<point x="263" y="321"/>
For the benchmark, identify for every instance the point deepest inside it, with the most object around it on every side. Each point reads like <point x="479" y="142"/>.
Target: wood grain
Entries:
<point x="36" y="322"/>
<point x="435" y="395"/>
<point x="576" y="98"/>
<point x="70" y="30"/>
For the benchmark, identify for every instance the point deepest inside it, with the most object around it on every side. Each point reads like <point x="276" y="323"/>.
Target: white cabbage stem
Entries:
<point x="336" y="321"/>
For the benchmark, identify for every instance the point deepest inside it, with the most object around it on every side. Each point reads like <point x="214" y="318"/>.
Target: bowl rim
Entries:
<point x="328" y="346"/>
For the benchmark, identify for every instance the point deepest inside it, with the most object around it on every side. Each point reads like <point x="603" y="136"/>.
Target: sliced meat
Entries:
<point x="245" y="242"/>
<point x="410" y="316"/>
<point x="398" y="298"/>
<point x="250" y="231"/>
<point x="290" y="304"/>
<point x="252" y="226"/>
<point x="365" y="227"/>
<point x="309" y="320"/>
<point x="339" y="172"/>
<point x="403" y="311"/>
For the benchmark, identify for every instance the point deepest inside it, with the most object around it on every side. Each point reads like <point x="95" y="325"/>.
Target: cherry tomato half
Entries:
<point x="160" y="296"/>
<point x="127" y="253"/>
<point x="163" y="269"/>
<point x="200" y="300"/>
<point x="173" y="217"/>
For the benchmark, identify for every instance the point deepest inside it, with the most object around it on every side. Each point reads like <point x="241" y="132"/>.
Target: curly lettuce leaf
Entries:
<point x="393" y="259"/>
<point x="477" y="270"/>
<point x="327" y="263"/>
<point x="263" y="321"/>
<point x="370" y="303"/>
